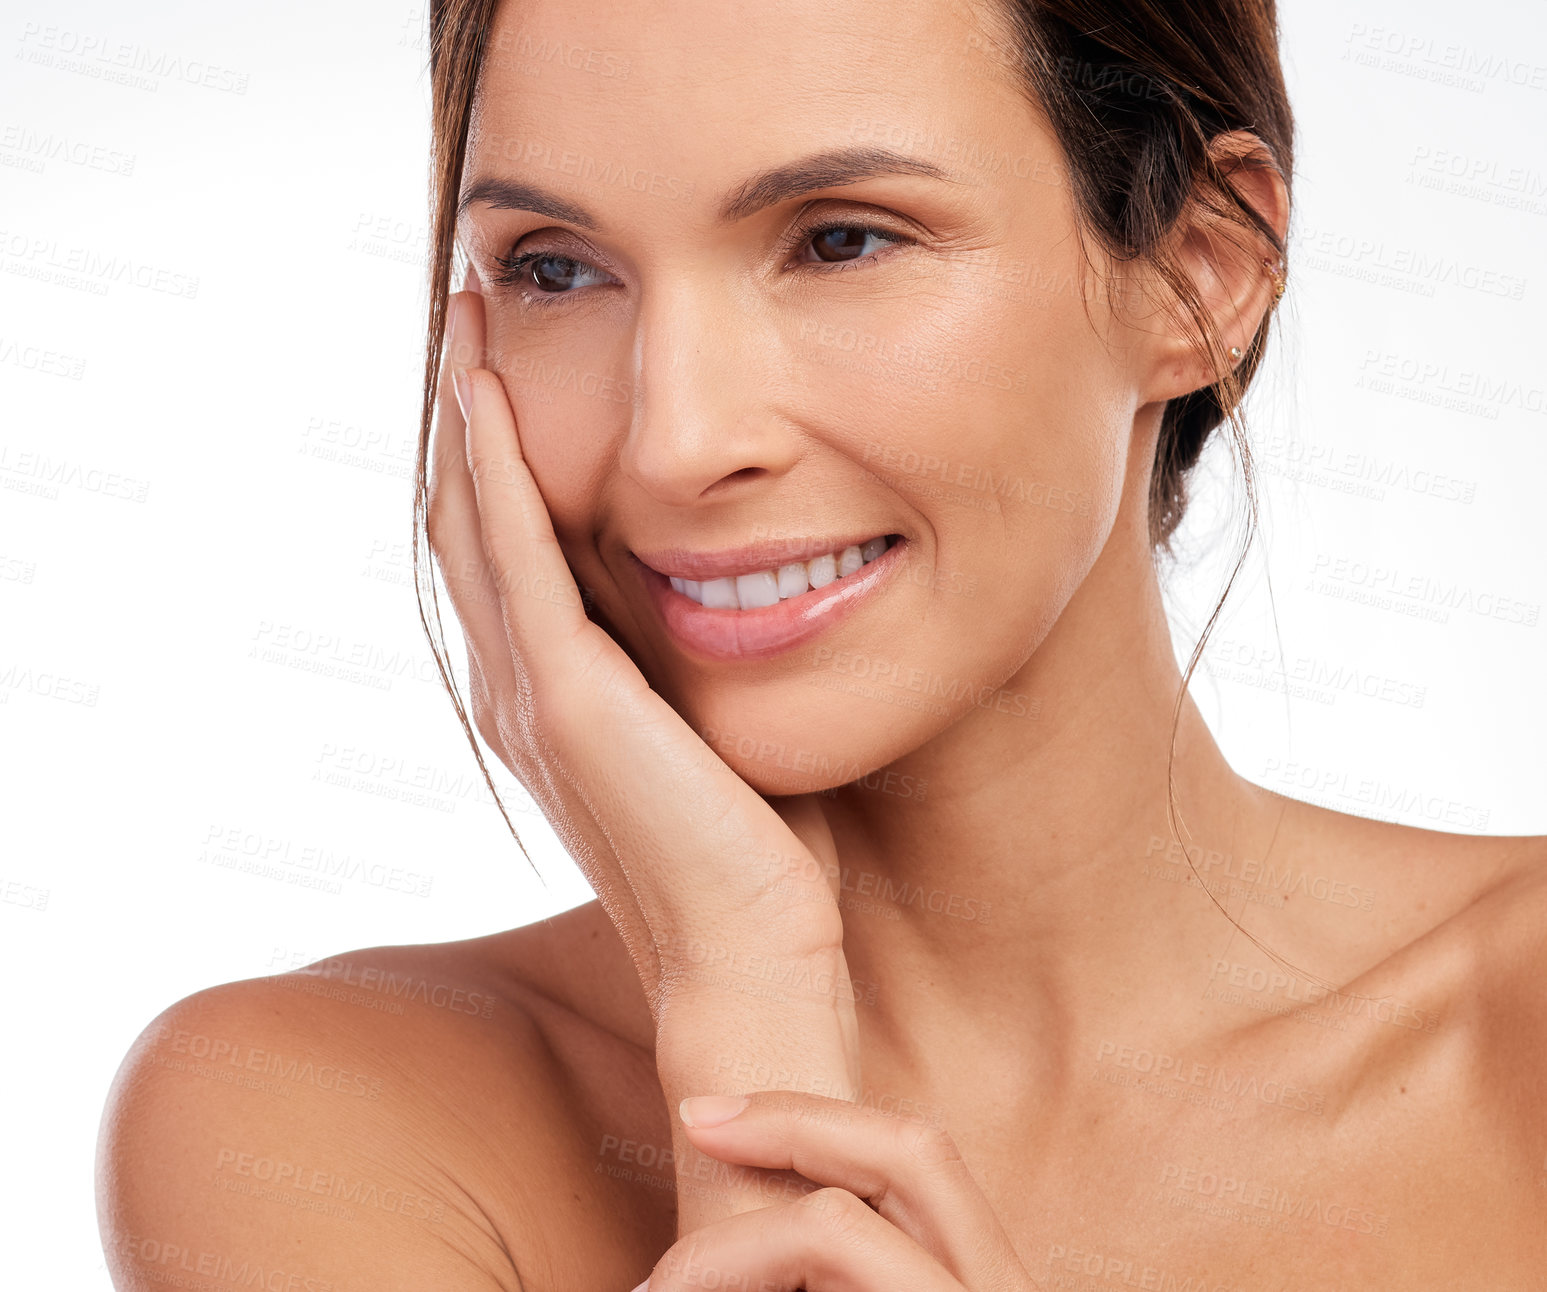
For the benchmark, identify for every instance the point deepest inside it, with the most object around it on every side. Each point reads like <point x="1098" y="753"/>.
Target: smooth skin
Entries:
<point x="1072" y="1070"/>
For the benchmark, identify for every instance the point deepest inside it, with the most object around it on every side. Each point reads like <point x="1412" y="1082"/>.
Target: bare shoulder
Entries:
<point x="1488" y="963"/>
<point x="1468" y="940"/>
<point x="1505" y="931"/>
<point x="1490" y="923"/>
<point x="398" y="1117"/>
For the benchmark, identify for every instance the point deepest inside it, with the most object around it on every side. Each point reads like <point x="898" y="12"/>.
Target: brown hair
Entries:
<point x="1135" y="91"/>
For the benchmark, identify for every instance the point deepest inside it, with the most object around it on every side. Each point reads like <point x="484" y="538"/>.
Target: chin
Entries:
<point x="810" y="743"/>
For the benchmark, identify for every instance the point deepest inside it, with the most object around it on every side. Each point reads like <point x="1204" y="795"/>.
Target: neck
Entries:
<point x="1009" y="892"/>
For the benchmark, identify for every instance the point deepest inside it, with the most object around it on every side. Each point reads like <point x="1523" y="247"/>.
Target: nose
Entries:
<point x="707" y="370"/>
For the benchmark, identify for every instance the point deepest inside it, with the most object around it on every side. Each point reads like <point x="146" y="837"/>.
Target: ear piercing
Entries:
<point x="1280" y="278"/>
<point x="1280" y="281"/>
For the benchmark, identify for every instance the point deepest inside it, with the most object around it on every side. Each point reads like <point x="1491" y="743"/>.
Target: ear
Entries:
<point x="1230" y="265"/>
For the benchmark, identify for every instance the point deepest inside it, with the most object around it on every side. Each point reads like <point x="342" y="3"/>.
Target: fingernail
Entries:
<point x="452" y="313"/>
<point x="471" y="281"/>
<point x="710" y="1110"/>
<point x="464" y="390"/>
<point x="642" y="1286"/>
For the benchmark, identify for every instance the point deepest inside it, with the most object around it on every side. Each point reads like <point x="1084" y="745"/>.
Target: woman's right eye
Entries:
<point x="541" y="273"/>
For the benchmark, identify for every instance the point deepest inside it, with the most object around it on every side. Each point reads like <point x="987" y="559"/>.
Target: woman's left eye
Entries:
<point x="544" y="278"/>
<point x="837" y="244"/>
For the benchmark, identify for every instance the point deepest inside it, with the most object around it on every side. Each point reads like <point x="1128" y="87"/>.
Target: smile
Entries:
<point x="769" y="587"/>
<point x="766" y="611"/>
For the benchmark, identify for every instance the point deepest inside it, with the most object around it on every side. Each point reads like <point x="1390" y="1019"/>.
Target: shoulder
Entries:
<point x="398" y="1116"/>
<point x="1487" y="942"/>
<point x="1460" y="917"/>
<point x="1504" y="933"/>
<point x="1486" y="965"/>
<point x="1468" y="956"/>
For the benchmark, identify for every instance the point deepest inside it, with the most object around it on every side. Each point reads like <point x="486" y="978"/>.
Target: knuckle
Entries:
<point x="487" y="721"/>
<point x="925" y="1146"/>
<point x="840" y="1212"/>
<point x="435" y="519"/>
<point x="524" y="725"/>
<point x="502" y="721"/>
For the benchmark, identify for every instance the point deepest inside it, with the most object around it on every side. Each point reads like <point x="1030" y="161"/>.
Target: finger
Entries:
<point x="827" y="1241"/>
<point x="453" y="507"/>
<point x="542" y="611"/>
<point x="909" y="1171"/>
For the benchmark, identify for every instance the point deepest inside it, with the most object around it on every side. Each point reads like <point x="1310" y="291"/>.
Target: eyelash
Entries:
<point x="512" y="267"/>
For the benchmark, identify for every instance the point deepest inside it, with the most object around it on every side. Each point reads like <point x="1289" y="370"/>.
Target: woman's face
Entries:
<point x="698" y="361"/>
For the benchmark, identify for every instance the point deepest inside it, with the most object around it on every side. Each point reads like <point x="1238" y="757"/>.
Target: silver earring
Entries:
<point x="1235" y="354"/>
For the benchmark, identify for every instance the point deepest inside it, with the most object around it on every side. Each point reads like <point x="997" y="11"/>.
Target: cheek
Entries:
<point x="990" y="408"/>
<point x="994" y="420"/>
<point x="571" y="401"/>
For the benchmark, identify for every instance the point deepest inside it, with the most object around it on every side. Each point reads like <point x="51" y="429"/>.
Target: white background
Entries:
<point x="257" y="402"/>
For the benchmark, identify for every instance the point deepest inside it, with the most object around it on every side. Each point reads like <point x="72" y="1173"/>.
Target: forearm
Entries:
<point x="733" y="1022"/>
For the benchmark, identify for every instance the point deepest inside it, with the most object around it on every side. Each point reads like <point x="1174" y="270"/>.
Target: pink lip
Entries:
<point x="683" y="563"/>
<point x="769" y="630"/>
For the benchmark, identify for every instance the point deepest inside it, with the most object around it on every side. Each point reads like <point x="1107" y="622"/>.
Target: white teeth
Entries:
<point x="754" y="591"/>
<point x="720" y="594"/>
<point x="792" y="580"/>
<point x="768" y="587"/>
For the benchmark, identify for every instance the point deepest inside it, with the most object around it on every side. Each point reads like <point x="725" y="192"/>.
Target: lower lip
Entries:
<point x="769" y="630"/>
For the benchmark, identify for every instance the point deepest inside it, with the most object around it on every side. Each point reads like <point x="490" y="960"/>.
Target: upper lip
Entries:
<point x="727" y="562"/>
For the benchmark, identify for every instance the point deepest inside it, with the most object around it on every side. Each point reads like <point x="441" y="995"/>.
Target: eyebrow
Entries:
<point x="831" y="168"/>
